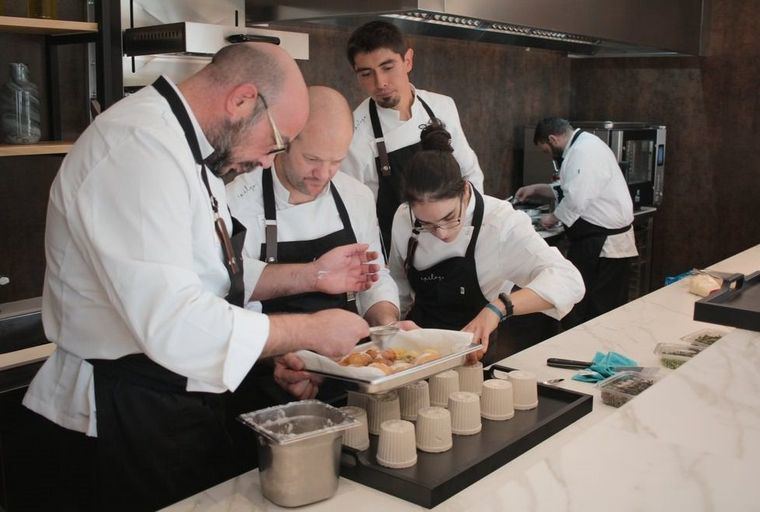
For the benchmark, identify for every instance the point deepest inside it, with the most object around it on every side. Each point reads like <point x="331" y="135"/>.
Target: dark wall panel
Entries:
<point x="497" y="89"/>
<point x="711" y="106"/>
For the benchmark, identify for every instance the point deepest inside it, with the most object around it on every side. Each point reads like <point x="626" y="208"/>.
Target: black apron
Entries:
<point x="585" y="245"/>
<point x="303" y="251"/>
<point x="259" y="390"/>
<point x="158" y="443"/>
<point x="448" y="295"/>
<point x="389" y="167"/>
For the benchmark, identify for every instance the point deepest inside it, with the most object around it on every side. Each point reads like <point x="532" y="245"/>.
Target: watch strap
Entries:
<point x="510" y="308"/>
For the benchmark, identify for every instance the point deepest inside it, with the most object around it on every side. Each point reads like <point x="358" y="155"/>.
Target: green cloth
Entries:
<point x="603" y="366"/>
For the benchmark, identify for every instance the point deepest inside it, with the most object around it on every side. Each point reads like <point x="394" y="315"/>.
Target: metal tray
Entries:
<point x="737" y="303"/>
<point x="438" y="476"/>
<point x="386" y="383"/>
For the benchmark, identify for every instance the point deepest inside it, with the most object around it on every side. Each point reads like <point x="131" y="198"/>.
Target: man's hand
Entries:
<point x="331" y="332"/>
<point x="539" y="191"/>
<point x="346" y="269"/>
<point x="406" y="325"/>
<point x="336" y="332"/>
<point x="548" y="220"/>
<point x="481" y="327"/>
<point x="289" y="375"/>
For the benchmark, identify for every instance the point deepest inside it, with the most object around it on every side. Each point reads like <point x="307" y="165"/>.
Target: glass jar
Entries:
<point x="42" y="9"/>
<point x="20" y="107"/>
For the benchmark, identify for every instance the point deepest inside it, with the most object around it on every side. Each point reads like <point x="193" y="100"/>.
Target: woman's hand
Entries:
<point x="481" y="327"/>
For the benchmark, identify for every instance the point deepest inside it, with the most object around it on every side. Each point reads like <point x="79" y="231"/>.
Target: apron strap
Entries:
<point x="342" y="212"/>
<point x="558" y="161"/>
<point x="270" y="216"/>
<point x="477" y="221"/>
<point x="384" y="164"/>
<point x="232" y="259"/>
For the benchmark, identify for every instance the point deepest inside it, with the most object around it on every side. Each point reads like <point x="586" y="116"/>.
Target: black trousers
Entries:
<point x="606" y="281"/>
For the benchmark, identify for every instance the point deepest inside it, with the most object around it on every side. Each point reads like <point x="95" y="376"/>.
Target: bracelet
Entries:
<point x="510" y="308"/>
<point x="496" y="312"/>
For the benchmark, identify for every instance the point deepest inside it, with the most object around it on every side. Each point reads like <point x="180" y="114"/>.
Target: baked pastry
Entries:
<point x="382" y="367"/>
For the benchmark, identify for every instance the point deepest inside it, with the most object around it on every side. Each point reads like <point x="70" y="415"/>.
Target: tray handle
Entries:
<point x="735" y="281"/>
<point x="490" y="370"/>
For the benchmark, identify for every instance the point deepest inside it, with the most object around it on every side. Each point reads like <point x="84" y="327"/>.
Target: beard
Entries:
<point x="388" y="101"/>
<point x="224" y="139"/>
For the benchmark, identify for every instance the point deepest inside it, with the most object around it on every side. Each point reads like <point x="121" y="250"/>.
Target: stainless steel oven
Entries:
<point x="640" y="151"/>
<point x="638" y="147"/>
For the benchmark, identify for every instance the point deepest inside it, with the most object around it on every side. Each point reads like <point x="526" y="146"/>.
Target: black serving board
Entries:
<point x="737" y="303"/>
<point x="438" y="476"/>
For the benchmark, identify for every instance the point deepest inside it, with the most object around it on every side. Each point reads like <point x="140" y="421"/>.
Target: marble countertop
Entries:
<point x="691" y="442"/>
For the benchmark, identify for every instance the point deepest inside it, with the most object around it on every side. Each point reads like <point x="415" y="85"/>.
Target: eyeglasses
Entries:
<point x="280" y="146"/>
<point x="429" y="227"/>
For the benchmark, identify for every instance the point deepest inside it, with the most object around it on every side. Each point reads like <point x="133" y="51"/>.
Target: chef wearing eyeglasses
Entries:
<point x="456" y="254"/>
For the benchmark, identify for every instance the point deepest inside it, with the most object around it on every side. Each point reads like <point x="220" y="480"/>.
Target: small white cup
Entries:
<point x="434" y="430"/>
<point x="465" y="413"/>
<point x="471" y="378"/>
<point x="496" y="402"/>
<point x="382" y="408"/>
<point x="397" y="446"/>
<point x="357" y="399"/>
<point x="441" y="386"/>
<point x="413" y="397"/>
<point x="356" y="437"/>
<point x="524" y="389"/>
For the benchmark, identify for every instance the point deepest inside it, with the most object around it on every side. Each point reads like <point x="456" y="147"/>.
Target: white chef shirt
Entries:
<point x="508" y="252"/>
<point x="308" y="221"/>
<point x="595" y="190"/>
<point x="360" y="162"/>
<point x="134" y="264"/>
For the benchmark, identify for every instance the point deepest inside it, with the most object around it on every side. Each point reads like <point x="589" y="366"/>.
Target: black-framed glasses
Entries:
<point x="279" y="145"/>
<point x="429" y="227"/>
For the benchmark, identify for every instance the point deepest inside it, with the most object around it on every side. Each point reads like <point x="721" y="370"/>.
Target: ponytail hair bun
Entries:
<point x="435" y="137"/>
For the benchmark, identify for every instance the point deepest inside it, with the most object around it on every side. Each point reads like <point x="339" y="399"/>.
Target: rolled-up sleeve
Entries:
<point x="533" y="264"/>
<point x="134" y="225"/>
<point x="364" y="223"/>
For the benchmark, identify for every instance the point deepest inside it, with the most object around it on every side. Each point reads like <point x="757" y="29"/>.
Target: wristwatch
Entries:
<point x="510" y="308"/>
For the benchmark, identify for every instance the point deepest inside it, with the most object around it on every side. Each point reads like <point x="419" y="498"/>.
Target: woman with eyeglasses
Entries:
<point x="457" y="255"/>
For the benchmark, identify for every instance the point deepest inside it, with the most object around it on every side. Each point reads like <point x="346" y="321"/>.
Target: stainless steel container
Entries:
<point x="299" y="450"/>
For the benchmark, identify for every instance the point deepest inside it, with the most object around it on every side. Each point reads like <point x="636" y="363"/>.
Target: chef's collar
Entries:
<point x="569" y="143"/>
<point x="205" y="146"/>
<point x="282" y="194"/>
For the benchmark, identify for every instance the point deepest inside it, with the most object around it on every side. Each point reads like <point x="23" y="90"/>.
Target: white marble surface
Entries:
<point x="691" y="442"/>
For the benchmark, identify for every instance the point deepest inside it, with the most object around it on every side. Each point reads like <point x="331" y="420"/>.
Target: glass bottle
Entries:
<point x="42" y="9"/>
<point x="20" y="107"/>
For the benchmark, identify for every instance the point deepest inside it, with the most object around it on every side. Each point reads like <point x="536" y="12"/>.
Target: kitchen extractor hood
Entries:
<point x="205" y="39"/>
<point x="177" y="38"/>
<point x="578" y="27"/>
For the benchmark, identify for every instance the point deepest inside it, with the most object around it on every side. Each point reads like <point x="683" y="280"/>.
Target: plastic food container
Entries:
<point x="622" y="387"/>
<point x="704" y="337"/>
<point x="299" y="450"/>
<point x="673" y="355"/>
